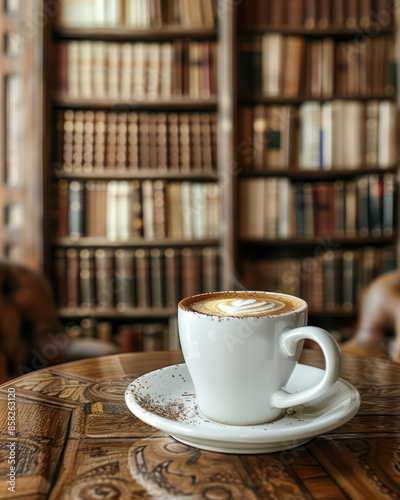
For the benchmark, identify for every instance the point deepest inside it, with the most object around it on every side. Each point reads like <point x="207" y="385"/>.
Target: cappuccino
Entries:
<point x="241" y="304"/>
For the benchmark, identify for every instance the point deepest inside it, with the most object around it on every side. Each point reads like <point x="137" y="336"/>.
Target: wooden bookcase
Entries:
<point x="37" y="190"/>
<point x="294" y="247"/>
<point x="56" y="101"/>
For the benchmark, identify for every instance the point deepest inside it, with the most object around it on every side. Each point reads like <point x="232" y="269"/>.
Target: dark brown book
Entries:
<point x="185" y="68"/>
<point x="213" y="58"/>
<point x="364" y="13"/>
<point x="351" y="13"/>
<point x="87" y="278"/>
<point x="137" y="212"/>
<point x="277" y="12"/>
<point x="60" y="277"/>
<point x="173" y="141"/>
<point x="130" y="338"/>
<point x="59" y="158"/>
<point x="333" y="280"/>
<point x="349" y="279"/>
<point x="310" y="14"/>
<point x="294" y="13"/>
<point x="324" y="14"/>
<point x="191" y="271"/>
<point x="77" y="155"/>
<point x="172" y="277"/>
<point x="338" y="16"/>
<point x="142" y="278"/>
<point x="177" y="69"/>
<point x="195" y="142"/>
<point x="125" y="279"/>
<point x="210" y="269"/>
<point x="324" y="199"/>
<point x="104" y="263"/>
<point x="157" y="278"/>
<point x="143" y="121"/>
<point x="73" y="295"/>
<point x="88" y="141"/>
<point x="161" y="146"/>
<point x="205" y="137"/>
<point x="184" y="142"/>
<point x="133" y="141"/>
<point x="245" y="143"/>
<point x="122" y="140"/>
<point x="63" y="208"/>
<point x="152" y="140"/>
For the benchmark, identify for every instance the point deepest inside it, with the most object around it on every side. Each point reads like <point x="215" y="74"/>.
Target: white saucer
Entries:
<point x="166" y="400"/>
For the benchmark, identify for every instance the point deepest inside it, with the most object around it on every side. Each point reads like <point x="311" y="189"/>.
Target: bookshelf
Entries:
<point x="344" y="57"/>
<point x="186" y="101"/>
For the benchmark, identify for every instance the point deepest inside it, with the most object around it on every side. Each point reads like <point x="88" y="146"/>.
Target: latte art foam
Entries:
<point x="239" y="307"/>
<point x="241" y="304"/>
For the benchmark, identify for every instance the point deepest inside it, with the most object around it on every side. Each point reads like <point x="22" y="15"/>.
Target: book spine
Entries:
<point x="125" y="279"/>
<point x="104" y="263"/>
<point x="76" y="209"/>
<point x="87" y="278"/>
<point x="143" y="278"/>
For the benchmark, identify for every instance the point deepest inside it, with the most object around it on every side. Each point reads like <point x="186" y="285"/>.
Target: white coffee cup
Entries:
<point x="240" y="365"/>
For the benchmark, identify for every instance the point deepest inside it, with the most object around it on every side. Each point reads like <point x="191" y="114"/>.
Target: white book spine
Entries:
<point x="186" y="211"/>
<point x="139" y="70"/>
<point x="86" y="68"/>
<point x="99" y="69"/>
<point x="387" y="134"/>
<point x="338" y="134"/>
<point x="126" y="70"/>
<point x="148" y="209"/>
<point x="113" y="13"/>
<point x="153" y="77"/>
<point x="354" y="126"/>
<point x="166" y="71"/>
<point x="99" y="12"/>
<point x="73" y="69"/>
<point x="114" y="65"/>
<point x="326" y="125"/>
<point x="285" y="208"/>
<point x="124" y="208"/>
<point x="310" y="135"/>
<point x="199" y="211"/>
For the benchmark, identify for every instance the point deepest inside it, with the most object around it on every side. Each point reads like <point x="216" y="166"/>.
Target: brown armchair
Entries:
<point x="31" y="336"/>
<point x="378" y="331"/>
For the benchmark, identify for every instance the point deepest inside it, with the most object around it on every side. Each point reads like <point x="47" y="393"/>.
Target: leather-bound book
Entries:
<point x="213" y="63"/>
<point x="160" y="227"/>
<point x="63" y="208"/>
<point x="125" y="279"/>
<point x="324" y="198"/>
<point x="210" y="269"/>
<point x="177" y="69"/>
<point x="338" y="16"/>
<point x="133" y="141"/>
<point x="157" y="278"/>
<point x="152" y="140"/>
<point x="111" y="140"/>
<point x="130" y="338"/>
<point x="77" y="156"/>
<point x="99" y="140"/>
<point x="351" y="208"/>
<point x="333" y="280"/>
<point x="184" y="142"/>
<point x="137" y="210"/>
<point x="364" y="13"/>
<point x="245" y="143"/>
<point x="205" y="136"/>
<point x="173" y="142"/>
<point x="144" y="151"/>
<point x="161" y="141"/>
<point x="185" y="68"/>
<point x="87" y="278"/>
<point x="351" y="13"/>
<point x="172" y="277"/>
<point x="73" y="288"/>
<point x="375" y="192"/>
<point x="339" y="205"/>
<point x="363" y="206"/>
<point x="195" y="142"/>
<point x="88" y="141"/>
<point x="310" y="14"/>
<point x="104" y="263"/>
<point x="143" y="298"/>
<point x="191" y="271"/>
<point x="60" y="276"/>
<point x="122" y="139"/>
<point x="100" y="215"/>
<point x="76" y="209"/>
<point x="294" y="13"/>
<point x="349" y="281"/>
<point x="90" y="208"/>
<point x="323" y="14"/>
<point x="277" y="13"/>
<point x="260" y="137"/>
<point x="388" y="215"/>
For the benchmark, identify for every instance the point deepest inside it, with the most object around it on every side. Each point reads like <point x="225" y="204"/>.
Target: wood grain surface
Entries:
<point x="76" y="439"/>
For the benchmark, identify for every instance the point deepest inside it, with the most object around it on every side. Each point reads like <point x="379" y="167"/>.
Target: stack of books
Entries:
<point x="121" y="210"/>
<point x="125" y="278"/>
<point x="337" y="134"/>
<point x="365" y="16"/>
<point x="137" y="14"/>
<point x="331" y="280"/>
<point x="137" y="71"/>
<point x="276" y="65"/>
<point x="96" y="140"/>
<point x="279" y="208"/>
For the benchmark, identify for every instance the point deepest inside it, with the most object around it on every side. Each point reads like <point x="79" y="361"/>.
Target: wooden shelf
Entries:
<point x="334" y="32"/>
<point x="111" y="312"/>
<point x="124" y="33"/>
<point x="316" y="175"/>
<point x="300" y="99"/>
<point x="130" y="174"/>
<point x="175" y="103"/>
<point x="325" y="241"/>
<point x="98" y="241"/>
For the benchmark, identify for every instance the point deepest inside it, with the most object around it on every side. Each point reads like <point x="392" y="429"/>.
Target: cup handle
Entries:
<point x="333" y="363"/>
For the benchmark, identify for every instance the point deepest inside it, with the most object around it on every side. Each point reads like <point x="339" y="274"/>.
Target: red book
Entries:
<point x="324" y="200"/>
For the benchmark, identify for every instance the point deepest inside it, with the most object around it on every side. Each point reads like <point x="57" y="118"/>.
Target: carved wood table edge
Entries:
<point x="75" y="438"/>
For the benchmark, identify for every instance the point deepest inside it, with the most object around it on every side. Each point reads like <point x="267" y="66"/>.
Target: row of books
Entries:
<point x="138" y="14"/>
<point x="336" y="134"/>
<point x="120" y="210"/>
<point x="364" y="16"/>
<point x="95" y="140"/>
<point x="141" y="278"/>
<point x="275" y="65"/>
<point x="277" y="208"/>
<point x="137" y="71"/>
<point x="329" y="281"/>
<point x="135" y="337"/>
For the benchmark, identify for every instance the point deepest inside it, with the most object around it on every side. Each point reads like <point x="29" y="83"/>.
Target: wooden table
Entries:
<point x="76" y="439"/>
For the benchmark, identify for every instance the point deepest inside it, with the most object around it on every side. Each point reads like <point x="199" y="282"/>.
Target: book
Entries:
<point x="143" y="296"/>
<point x="104" y="265"/>
<point x="125" y="279"/>
<point x="87" y="278"/>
